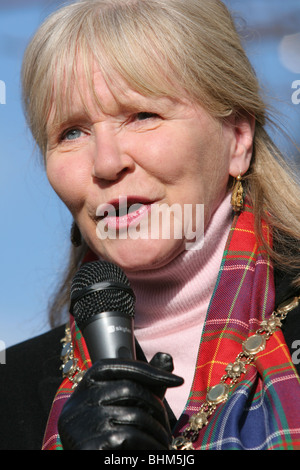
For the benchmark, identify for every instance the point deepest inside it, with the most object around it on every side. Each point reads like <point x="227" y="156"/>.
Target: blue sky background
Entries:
<point x="35" y="225"/>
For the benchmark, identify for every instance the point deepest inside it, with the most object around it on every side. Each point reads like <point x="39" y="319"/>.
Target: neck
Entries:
<point x="177" y="289"/>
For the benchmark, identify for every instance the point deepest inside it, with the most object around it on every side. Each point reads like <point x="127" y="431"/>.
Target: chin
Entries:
<point x="141" y="255"/>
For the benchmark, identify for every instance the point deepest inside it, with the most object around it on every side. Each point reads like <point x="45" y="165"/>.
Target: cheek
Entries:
<point x="207" y="164"/>
<point x="67" y="182"/>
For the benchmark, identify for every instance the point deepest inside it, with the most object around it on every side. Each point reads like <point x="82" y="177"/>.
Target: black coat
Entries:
<point x="32" y="375"/>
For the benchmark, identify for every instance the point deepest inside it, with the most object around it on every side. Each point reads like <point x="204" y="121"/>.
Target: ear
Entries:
<point x="243" y="128"/>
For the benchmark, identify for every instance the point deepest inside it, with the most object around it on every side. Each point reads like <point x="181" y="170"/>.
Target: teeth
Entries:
<point x="122" y="210"/>
<point x="134" y="207"/>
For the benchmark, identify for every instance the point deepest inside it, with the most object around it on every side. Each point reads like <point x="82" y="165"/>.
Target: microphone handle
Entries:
<point x="110" y="335"/>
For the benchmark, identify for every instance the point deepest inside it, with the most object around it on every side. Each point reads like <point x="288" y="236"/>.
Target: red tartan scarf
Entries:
<point x="263" y="410"/>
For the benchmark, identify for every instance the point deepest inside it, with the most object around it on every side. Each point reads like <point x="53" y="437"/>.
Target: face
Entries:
<point x="144" y="153"/>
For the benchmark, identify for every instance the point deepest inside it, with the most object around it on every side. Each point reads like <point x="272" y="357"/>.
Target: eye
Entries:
<point x="144" y="120"/>
<point x="71" y="134"/>
<point x="142" y="116"/>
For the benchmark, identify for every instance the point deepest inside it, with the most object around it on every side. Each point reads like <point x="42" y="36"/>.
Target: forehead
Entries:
<point x="91" y="91"/>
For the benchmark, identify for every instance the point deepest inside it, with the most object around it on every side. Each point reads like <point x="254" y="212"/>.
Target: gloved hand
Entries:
<point x="118" y="406"/>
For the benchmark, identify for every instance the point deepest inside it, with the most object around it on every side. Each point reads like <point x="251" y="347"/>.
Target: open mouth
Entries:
<point x="123" y="213"/>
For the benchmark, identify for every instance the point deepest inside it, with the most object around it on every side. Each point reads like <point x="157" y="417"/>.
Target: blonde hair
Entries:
<point x="160" y="47"/>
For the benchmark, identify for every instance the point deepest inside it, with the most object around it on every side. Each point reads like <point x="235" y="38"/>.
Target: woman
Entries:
<point x="154" y="104"/>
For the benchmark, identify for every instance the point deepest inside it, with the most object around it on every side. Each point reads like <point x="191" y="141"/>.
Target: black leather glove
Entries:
<point x="118" y="406"/>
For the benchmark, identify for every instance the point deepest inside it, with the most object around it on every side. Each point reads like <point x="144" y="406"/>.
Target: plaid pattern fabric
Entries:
<point x="263" y="411"/>
<point x="51" y="438"/>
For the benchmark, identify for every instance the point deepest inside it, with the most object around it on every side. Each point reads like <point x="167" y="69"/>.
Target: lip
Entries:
<point x="124" y="212"/>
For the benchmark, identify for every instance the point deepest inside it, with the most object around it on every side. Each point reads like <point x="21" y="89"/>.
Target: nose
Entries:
<point x="110" y="158"/>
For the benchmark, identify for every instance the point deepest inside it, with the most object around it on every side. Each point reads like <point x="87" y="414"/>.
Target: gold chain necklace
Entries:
<point x="217" y="394"/>
<point x="220" y="392"/>
<point x="69" y="367"/>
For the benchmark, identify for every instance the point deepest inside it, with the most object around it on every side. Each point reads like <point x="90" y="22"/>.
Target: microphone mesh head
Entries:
<point x="105" y="300"/>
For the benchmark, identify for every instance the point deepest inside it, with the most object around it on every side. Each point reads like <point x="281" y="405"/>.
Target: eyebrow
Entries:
<point x="56" y="125"/>
<point x="125" y="104"/>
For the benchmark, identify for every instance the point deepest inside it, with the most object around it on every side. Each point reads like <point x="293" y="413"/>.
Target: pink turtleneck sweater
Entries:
<point x="172" y="303"/>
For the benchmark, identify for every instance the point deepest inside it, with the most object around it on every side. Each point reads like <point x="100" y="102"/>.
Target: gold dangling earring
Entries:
<point x="75" y="235"/>
<point x="237" y="196"/>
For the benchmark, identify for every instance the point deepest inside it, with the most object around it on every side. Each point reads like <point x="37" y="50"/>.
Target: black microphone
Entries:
<point x="103" y="306"/>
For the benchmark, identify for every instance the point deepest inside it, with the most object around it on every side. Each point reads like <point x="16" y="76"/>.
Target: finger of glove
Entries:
<point x="112" y="369"/>
<point x="119" y="393"/>
<point x="162" y="361"/>
<point x="122" y="425"/>
<point x="122" y="439"/>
